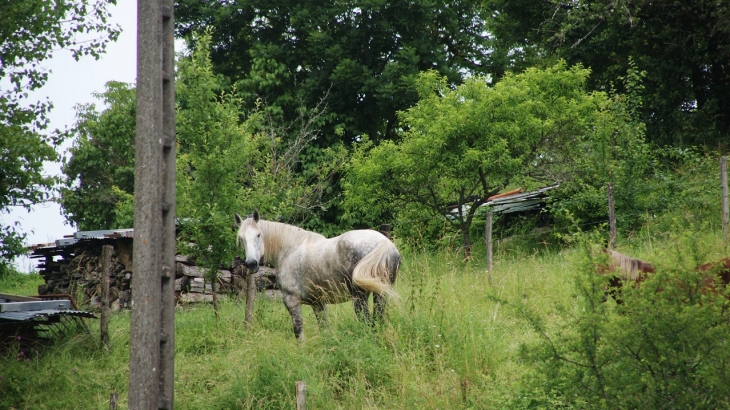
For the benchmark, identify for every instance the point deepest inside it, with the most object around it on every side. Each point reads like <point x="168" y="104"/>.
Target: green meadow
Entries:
<point x="451" y="340"/>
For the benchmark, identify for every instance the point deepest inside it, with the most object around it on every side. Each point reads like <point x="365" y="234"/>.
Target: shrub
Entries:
<point x="665" y="346"/>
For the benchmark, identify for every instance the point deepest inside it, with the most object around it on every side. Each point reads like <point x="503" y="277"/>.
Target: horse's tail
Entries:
<point x="376" y="272"/>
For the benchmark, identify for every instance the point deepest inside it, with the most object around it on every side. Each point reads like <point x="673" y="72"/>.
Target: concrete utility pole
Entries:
<point x="153" y="283"/>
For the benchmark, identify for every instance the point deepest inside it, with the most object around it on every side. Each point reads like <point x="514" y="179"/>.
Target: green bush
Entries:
<point x="664" y="346"/>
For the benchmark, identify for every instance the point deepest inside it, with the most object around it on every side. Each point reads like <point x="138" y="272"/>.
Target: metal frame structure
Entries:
<point x="29" y="320"/>
<point x="151" y="361"/>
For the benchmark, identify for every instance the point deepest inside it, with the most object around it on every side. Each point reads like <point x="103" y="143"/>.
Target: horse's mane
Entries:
<point x="631" y="268"/>
<point x="278" y="236"/>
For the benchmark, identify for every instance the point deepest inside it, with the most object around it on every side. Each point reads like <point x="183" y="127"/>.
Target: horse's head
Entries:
<point x="249" y="238"/>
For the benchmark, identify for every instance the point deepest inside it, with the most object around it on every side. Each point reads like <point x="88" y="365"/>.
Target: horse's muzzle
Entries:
<point x="252" y="266"/>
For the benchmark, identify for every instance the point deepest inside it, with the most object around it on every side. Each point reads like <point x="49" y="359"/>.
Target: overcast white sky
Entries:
<point x="71" y="83"/>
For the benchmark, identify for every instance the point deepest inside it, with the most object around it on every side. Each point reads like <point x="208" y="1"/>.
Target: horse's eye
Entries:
<point x="258" y="235"/>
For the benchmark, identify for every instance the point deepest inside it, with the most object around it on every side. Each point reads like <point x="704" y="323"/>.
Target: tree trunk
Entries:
<point x="467" y="240"/>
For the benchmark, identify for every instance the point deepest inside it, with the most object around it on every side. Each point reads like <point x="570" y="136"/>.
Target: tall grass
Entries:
<point x="450" y="341"/>
<point x="17" y="283"/>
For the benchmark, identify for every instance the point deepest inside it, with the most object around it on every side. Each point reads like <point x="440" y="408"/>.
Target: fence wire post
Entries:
<point x="152" y="332"/>
<point x="106" y="262"/>
<point x="612" y="234"/>
<point x="301" y="395"/>
<point x="250" y="297"/>
<point x="725" y="216"/>
<point x="488" y="238"/>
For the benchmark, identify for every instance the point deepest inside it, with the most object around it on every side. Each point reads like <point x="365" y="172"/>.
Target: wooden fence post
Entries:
<point x="250" y="296"/>
<point x="301" y="389"/>
<point x="723" y="182"/>
<point x="113" y="399"/>
<point x="611" y="218"/>
<point x="488" y="238"/>
<point x="106" y="267"/>
<point x="385" y="230"/>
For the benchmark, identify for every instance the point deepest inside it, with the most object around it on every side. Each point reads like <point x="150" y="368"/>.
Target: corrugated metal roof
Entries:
<point x="29" y="315"/>
<point x="106" y="233"/>
<point x="518" y="202"/>
<point x="33" y="305"/>
<point x="83" y="235"/>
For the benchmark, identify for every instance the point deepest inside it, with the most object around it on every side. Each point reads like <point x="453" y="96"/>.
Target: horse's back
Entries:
<point x="321" y="270"/>
<point x="354" y="245"/>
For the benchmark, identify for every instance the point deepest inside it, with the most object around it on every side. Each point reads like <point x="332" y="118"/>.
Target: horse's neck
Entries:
<point x="280" y="239"/>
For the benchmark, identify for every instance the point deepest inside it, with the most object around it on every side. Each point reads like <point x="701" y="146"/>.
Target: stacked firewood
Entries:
<point x="79" y="273"/>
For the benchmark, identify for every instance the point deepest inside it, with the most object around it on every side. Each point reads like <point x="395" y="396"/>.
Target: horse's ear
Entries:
<point x="239" y="220"/>
<point x="256" y="215"/>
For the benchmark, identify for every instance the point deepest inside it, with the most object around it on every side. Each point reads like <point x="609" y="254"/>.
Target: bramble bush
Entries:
<point x="664" y="346"/>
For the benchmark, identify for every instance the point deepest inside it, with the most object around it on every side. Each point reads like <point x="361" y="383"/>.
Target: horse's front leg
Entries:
<point x="294" y="306"/>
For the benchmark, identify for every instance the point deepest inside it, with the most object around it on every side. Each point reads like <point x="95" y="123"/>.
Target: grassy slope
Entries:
<point x="447" y="344"/>
<point x="20" y="284"/>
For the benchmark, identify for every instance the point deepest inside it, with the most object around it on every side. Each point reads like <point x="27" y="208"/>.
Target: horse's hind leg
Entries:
<point x="379" y="302"/>
<point x="320" y="312"/>
<point x="360" y="300"/>
<point x="294" y="306"/>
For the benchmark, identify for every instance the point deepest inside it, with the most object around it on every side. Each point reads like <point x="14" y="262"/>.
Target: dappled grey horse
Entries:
<point x="314" y="270"/>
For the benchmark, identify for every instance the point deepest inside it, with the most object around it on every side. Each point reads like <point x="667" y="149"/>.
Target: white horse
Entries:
<point x="314" y="270"/>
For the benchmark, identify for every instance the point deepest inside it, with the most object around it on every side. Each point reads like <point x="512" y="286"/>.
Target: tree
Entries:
<point x="465" y="144"/>
<point x="226" y="165"/>
<point x="99" y="175"/>
<point x="684" y="46"/>
<point x="30" y="30"/>
<point x="366" y="54"/>
<point x="217" y="159"/>
<point x="620" y="156"/>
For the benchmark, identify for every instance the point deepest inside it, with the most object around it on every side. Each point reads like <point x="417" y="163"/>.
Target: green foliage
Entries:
<point x="217" y="160"/>
<point x="11" y="244"/>
<point x="663" y="347"/>
<point x="226" y="165"/>
<point x="249" y="155"/>
<point x="361" y="58"/>
<point x="30" y="30"/>
<point x="365" y="55"/>
<point x="682" y="45"/>
<point x="619" y="155"/>
<point x="465" y="144"/>
<point x="99" y="175"/>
